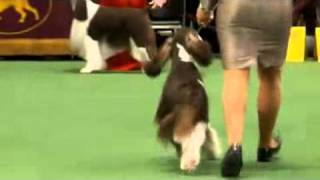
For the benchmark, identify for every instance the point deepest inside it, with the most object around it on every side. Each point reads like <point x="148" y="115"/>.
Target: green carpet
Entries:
<point x="57" y="124"/>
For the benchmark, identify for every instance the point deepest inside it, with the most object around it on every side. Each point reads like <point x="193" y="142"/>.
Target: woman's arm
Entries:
<point x="157" y="3"/>
<point x="204" y="12"/>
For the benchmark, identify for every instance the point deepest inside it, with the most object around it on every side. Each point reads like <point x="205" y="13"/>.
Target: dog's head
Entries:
<point x="189" y="43"/>
<point x="189" y="46"/>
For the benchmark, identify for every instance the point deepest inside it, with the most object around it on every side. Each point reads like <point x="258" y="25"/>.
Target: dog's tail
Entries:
<point x="153" y="68"/>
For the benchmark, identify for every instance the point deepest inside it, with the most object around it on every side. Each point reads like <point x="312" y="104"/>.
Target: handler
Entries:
<point x="251" y="32"/>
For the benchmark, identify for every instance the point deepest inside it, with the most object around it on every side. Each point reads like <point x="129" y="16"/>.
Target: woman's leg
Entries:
<point x="235" y="92"/>
<point x="269" y="99"/>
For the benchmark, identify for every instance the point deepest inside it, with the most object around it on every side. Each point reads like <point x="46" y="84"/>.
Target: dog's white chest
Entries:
<point x="92" y="9"/>
<point x="184" y="56"/>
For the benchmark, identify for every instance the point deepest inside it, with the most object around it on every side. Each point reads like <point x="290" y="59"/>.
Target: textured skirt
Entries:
<point x="253" y="32"/>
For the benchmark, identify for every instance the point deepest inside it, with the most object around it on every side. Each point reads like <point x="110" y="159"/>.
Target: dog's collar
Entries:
<point x="184" y="56"/>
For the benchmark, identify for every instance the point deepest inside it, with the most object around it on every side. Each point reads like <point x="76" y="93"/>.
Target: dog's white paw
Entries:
<point x="86" y="70"/>
<point x="189" y="163"/>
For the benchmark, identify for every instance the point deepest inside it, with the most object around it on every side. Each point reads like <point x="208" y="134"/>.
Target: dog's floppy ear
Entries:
<point x="153" y="68"/>
<point x="199" y="49"/>
<point x="165" y="50"/>
<point x="80" y="9"/>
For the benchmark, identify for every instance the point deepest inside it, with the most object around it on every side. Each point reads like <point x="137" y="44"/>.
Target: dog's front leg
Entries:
<point x="94" y="60"/>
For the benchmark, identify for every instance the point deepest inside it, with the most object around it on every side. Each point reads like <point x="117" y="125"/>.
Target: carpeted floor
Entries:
<point x="58" y="124"/>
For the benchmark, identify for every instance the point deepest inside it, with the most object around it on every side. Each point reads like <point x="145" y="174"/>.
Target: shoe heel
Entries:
<point x="232" y="162"/>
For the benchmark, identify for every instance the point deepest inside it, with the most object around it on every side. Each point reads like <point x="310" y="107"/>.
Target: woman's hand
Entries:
<point x="157" y="3"/>
<point x="203" y="17"/>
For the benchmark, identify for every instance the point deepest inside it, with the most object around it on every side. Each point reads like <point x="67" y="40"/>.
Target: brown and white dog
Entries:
<point x="182" y="114"/>
<point x="98" y="33"/>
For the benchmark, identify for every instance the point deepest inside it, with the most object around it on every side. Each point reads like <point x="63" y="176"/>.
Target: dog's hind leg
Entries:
<point x="191" y="147"/>
<point x="92" y="55"/>
<point x="138" y="53"/>
<point x="191" y="136"/>
<point x="212" y="143"/>
<point x="107" y="51"/>
<point x="143" y="39"/>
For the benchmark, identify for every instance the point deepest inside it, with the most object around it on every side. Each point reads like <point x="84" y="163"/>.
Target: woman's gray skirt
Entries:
<point x="253" y="32"/>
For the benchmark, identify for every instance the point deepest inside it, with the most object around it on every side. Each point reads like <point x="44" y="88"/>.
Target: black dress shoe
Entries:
<point x="266" y="154"/>
<point x="232" y="162"/>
